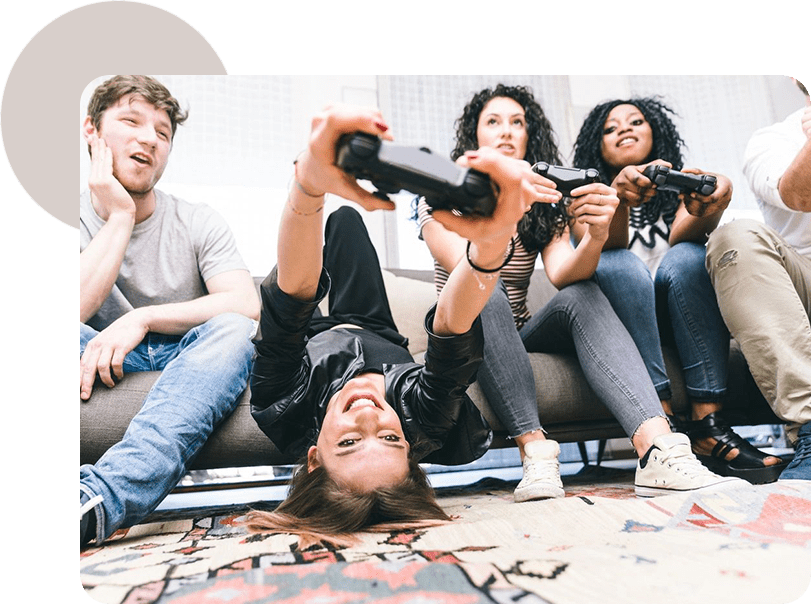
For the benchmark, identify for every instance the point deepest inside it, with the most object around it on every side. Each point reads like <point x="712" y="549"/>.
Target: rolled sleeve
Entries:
<point x="768" y="154"/>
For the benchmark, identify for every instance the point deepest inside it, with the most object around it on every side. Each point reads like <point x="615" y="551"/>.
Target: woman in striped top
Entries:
<point x="579" y="318"/>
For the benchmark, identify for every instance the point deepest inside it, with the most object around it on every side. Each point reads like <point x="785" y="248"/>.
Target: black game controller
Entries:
<point x="566" y="179"/>
<point x="392" y="168"/>
<point x="666" y="179"/>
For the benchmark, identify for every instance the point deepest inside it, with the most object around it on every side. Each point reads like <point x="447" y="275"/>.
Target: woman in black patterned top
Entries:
<point x="656" y="251"/>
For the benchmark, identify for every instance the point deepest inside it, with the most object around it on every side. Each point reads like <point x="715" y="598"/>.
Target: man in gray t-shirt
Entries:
<point x="163" y="287"/>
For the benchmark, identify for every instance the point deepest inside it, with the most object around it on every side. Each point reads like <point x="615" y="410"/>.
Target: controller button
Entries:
<point x="477" y="187"/>
<point x="363" y="147"/>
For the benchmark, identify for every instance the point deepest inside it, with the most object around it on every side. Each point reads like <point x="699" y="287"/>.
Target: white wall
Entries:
<point x="235" y="152"/>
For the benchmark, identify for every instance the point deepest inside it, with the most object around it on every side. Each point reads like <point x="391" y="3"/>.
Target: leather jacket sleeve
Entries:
<point x="443" y="424"/>
<point x="281" y="370"/>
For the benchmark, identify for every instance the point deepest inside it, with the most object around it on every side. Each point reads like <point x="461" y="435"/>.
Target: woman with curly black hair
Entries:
<point x="663" y="233"/>
<point x="578" y="319"/>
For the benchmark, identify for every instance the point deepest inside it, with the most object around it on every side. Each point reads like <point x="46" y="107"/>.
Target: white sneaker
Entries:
<point x="670" y="466"/>
<point x="541" y="472"/>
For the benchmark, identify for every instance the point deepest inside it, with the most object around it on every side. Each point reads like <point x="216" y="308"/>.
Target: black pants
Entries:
<point x="358" y="294"/>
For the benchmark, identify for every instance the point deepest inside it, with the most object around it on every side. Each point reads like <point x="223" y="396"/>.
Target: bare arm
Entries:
<point x="467" y="290"/>
<point x="795" y="184"/>
<point x="698" y="215"/>
<point x="231" y="291"/>
<point x="592" y="209"/>
<point x="100" y="261"/>
<point x="300" y="231"/>
<point x="633" y="189"/>
<point x="446" y="247"/>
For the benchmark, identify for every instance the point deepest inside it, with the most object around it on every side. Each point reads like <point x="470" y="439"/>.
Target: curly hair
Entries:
<point x="667" y="145"/>
<point x="544" y="222"/>
<point x="318" y="510"/>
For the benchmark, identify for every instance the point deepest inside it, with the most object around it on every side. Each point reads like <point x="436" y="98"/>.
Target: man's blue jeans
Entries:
<point x="678" y="306"/>
<point x="203" y="374"/>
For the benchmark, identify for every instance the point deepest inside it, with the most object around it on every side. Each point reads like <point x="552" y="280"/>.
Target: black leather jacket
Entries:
<point x="294" y="378"/>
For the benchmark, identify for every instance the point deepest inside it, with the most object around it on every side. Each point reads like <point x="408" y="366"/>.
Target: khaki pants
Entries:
<point x="764" y="292"/>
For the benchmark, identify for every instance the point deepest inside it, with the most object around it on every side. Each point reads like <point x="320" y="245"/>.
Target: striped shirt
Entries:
<point x="515" y="275"/>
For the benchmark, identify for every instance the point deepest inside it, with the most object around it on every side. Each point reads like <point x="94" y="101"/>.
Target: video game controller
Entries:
<point x="392" y="168"/>
<point x="566" y="179"/>
<point x="666" y="179"/>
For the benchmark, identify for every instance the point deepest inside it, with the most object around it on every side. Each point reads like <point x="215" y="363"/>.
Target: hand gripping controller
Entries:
<point x="666" y="179"/>
<point x="392" y="168"/>
<point x="566" y="179"/>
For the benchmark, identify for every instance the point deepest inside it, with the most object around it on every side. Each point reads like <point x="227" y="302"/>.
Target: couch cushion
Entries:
<point x="103" y="419"/>
<point x="567" y="407"/>
<point x="410" y="300"/>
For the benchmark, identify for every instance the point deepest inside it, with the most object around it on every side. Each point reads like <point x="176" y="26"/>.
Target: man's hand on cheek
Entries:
<point x="106" y="189"/>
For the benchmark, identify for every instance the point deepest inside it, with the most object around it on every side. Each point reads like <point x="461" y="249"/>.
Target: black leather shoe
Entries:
<point x="749" y="464"/>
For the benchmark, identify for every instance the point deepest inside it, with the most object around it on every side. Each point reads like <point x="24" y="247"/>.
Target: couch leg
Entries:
<point x="584" y="456"/>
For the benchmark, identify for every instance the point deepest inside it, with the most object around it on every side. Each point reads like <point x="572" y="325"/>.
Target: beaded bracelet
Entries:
<point x="487" y="271"/>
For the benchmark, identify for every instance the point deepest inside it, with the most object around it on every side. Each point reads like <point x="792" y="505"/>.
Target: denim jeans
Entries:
<point x="580" y="319"/>
<point x="203" y="374"/>
<point x="678" y="306"/>
<point x="505" y="375"/>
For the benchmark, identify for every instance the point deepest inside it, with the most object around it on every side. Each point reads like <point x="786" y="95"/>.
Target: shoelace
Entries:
<point x="803" y="449"/>
<point x="682" y="460"/>
<point x="544" y="470"/>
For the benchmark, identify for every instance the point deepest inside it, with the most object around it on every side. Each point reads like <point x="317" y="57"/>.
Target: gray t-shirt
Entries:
<point x="169" y="258"/>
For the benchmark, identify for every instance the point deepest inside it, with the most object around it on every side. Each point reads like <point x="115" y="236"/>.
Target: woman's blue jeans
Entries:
<point x="677" y="307"/>
<point x="203" y="374"/>
<point x="578" y="320"/>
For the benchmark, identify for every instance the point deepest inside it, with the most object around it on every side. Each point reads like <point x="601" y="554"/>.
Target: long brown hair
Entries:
<point x="319" y="511"/>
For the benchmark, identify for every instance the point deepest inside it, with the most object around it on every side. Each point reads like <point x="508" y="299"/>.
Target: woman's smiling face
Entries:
<point x="361" y="444"/>
<point x="627" y="137"/>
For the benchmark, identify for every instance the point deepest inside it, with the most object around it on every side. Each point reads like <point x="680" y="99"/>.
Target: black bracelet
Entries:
<point x="478" y="269"/>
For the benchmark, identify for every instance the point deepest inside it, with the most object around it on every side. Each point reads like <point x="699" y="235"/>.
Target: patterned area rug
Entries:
<point x="749" y="544"/>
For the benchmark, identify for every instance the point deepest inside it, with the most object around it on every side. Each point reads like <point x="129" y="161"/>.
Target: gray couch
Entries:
<point x="569" y="410"/>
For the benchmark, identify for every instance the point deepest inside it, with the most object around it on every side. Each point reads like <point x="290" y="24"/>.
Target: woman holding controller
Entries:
<point x="341" y="392"/>
<point x="662" y="233"/>
<point x="578" y="319"/>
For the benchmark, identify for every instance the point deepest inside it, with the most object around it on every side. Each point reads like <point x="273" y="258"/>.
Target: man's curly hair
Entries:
<point x="667" y="145"/>
<point x="541" y="224"/>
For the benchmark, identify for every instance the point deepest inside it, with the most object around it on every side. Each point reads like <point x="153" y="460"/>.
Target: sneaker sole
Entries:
<point x="642" y="491"/>
<point x="536" y="494"/>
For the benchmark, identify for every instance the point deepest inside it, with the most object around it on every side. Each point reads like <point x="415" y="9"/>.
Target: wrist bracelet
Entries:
<point x="487" y="271"/>
<point x="297" y="212"/>
<point x="299" y="185"/>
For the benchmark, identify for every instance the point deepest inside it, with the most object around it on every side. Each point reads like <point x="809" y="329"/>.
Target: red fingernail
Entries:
<point x="381" y="126"/>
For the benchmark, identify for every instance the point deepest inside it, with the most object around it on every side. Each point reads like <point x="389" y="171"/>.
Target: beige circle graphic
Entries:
<point x="44" y="87"/>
